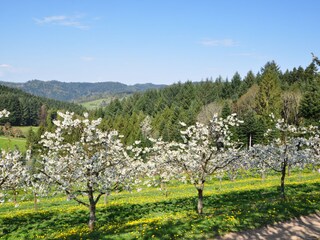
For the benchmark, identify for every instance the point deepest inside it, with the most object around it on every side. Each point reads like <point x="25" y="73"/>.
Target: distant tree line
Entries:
<point x="77" y="91"/>
<point x="293" y="95"/>
<point x="30" y="110"/>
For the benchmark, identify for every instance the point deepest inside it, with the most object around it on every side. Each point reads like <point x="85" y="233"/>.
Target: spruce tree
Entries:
<point x="226" y="110"/>
<point x="310" y="104"/>
<point x="268" y="99"/>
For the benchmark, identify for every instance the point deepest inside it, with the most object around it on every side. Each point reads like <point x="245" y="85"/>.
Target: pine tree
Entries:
<point x="310" y="104"/>
<point x="268" y="99"/>
<point x="251" y="131"/>
<point x="235" y="85"/>
<point x="247" y="83"/>
<point x="31" y="139"/>
<point x="226" y="110"/>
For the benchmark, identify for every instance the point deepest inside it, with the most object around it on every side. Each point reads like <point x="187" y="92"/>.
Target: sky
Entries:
<point x="153" y="41"/>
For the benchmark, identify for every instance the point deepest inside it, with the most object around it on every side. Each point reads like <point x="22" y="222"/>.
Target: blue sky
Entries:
<point x="158" y="41"/>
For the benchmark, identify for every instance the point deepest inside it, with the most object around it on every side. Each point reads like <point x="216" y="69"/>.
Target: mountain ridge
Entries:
<point x="71" y="91"/>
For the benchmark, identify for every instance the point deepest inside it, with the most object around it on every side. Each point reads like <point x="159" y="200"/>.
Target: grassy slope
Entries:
<point x="11" y="143"/>
<point x="90" y="105"/>
<point x="25" y="129"/>
<point x="93" y="104"/>
<point x="239" y="205"/>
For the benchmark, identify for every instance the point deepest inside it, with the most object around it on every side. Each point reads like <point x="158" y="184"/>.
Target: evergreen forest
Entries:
<point x="293" y="95"/>
<point x="29" y="110"/>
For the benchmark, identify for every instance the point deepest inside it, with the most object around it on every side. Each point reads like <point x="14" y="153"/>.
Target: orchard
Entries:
<point x="84" y="163"/>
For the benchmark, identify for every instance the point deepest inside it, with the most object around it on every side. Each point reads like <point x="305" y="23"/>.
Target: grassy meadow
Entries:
<point x="90" y="105"/>
<point x="10" y="143"/>
<point x="25" y="129"/>
<point x="246" y="203"/>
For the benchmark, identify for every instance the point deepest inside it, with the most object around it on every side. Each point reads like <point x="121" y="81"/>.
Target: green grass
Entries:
<point x="25" y="129"/>
<point x="232" y="206"/>
<point x="10" y="143"/>
<point x="93" y="104"/>
<point x="90" y="105"/>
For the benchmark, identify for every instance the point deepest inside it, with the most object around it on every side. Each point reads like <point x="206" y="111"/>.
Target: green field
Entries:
<point x="230" y="206"/>
<point x="25" y="129"/>
<point x="93" y="104"/>
<point x="90" y="105"/>
<point x="10" y="143"/>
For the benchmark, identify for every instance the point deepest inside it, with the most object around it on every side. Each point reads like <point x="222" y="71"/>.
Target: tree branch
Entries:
<point x="66" y="190"/>
<point x="98" y="197"/>
<point x="3" y="180"/>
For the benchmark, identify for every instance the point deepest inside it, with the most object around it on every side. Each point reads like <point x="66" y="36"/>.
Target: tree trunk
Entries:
<point x="35" y="199"/>
<point x="283" y="175"/>
<point x="15" y="196"/>
<point x="200" y="200"/>
<point x="92" y="219"/>
<point x="92" y="208"/>
<point x="250" y="141"/>
<point x="105" y="198"/>
<point x="164" y="189"/>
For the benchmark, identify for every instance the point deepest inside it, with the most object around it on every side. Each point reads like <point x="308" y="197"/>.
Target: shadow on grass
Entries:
<point x="235" y="211"/>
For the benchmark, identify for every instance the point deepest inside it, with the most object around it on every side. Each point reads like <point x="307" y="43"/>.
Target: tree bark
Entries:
<point x="92" y="208"/>
<point x="105" y="199"/>
<point x="164" y="189"/>
<point x="200" y="200"/>
<point x="15" y="196"/>
<point x="283" y="175"/>
<point x="35" y="198"/>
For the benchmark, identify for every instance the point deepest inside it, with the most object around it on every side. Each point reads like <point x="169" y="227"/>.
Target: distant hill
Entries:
<point x="73" y="91"/>
<point x="27" y="109"/>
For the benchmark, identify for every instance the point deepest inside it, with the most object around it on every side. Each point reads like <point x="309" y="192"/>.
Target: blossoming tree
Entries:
<point x="289" y="149"/>
<point x="206" y="150"/>
<point x="11" y="167"/>
<point x="11" y="171"/>
<point x="84" y="161"/>
<point x="159" y="166"/>
<point x="314" y="143"/>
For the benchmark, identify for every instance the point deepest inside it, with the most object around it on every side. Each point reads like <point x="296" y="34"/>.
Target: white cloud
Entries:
<point x="69" y="21"/>
<point x="5" y="65"/>
<point x="219" y="43"/>
<point x="87" y="59"/>
<point x="51" y="19"/>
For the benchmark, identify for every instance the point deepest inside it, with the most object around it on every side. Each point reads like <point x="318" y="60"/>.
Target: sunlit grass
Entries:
<point x="25" y="129"/>
<point x="11" y="143"/>
<point x="90" y="105"/>
<point x="229" y="206"/>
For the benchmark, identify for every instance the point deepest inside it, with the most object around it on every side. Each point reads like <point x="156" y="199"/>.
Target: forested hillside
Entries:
<point x="293" y="95"/>
<point x="73" y="91"/>
<point x="26" y="109"/>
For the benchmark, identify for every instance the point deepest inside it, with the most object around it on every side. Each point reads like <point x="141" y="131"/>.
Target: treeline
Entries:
<point x="29" y="110"/>
<point x="75" y="91"/>
<point x="293" y="95"/>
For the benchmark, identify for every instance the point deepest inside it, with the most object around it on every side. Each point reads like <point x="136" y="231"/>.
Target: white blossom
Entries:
<point x="4" y="113"/>
<point x="82" y="160"/>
